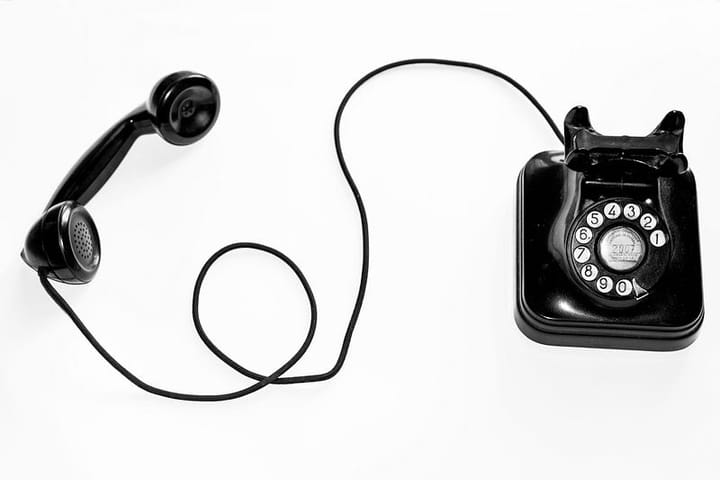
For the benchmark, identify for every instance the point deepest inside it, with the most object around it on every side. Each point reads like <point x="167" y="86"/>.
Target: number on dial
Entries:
<point x="612" y="210"/>
<point x="604" y="284"/>
<point x="657" y="238"/>
<point x="583" y="235"/>
<point x="623" y="287"/>
<point x="631" y="211"/>
<point x="589" y="272"/>
<point x="595" y="219"/>
<point x="648" y="221"/>
<point x="581" y="254"/>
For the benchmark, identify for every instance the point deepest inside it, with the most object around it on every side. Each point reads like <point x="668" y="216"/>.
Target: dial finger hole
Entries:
<point x="648" y="221"/>
<point x="631" y="211"/>
<point x="623" y="287"/>
<point x="658" y="238"/>
<point x="589" y="272"/>
<point x="583" y="235"/>
<point x="604" y="284"/>
<point x="581" y="254"/>
<point x="595" y="219"/>
<point x="612" y="210"/>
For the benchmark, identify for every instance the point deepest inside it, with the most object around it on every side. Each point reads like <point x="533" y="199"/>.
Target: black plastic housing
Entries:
<point x="551" y="307"/>
<point x="64" y="243"/>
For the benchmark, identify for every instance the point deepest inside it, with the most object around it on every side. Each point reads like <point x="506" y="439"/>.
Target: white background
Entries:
<point x="439" y="383"/>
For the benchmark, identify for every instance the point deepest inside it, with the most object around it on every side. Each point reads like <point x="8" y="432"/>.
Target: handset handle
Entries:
<point x="100" y="161"/>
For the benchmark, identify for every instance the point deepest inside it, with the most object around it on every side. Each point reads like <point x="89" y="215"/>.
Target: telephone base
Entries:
<point x="553" y="309"/>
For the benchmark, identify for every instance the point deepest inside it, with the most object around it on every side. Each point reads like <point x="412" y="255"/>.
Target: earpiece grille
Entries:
<point x="82" y="242"/>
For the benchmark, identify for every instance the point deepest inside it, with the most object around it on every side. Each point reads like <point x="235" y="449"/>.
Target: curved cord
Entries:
<point x="276" y="377"/>
<point x="60" y="301"/>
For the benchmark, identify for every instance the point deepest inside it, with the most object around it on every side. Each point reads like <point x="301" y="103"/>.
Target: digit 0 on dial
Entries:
<point x="618" y="249"/>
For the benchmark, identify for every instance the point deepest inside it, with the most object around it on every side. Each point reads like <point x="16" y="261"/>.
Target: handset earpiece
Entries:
<point x="64" y="242"/>
<point x="184" y="107"/>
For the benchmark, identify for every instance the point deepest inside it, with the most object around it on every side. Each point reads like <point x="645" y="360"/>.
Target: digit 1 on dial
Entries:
<point x="657" y="238"/>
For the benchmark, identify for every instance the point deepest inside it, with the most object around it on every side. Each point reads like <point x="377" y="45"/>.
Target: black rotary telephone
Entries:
<point x="608" y="251"/>
<point x="607" y="241"/>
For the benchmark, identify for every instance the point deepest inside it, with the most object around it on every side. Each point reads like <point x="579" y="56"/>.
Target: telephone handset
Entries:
<point x="608" y="248"/>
